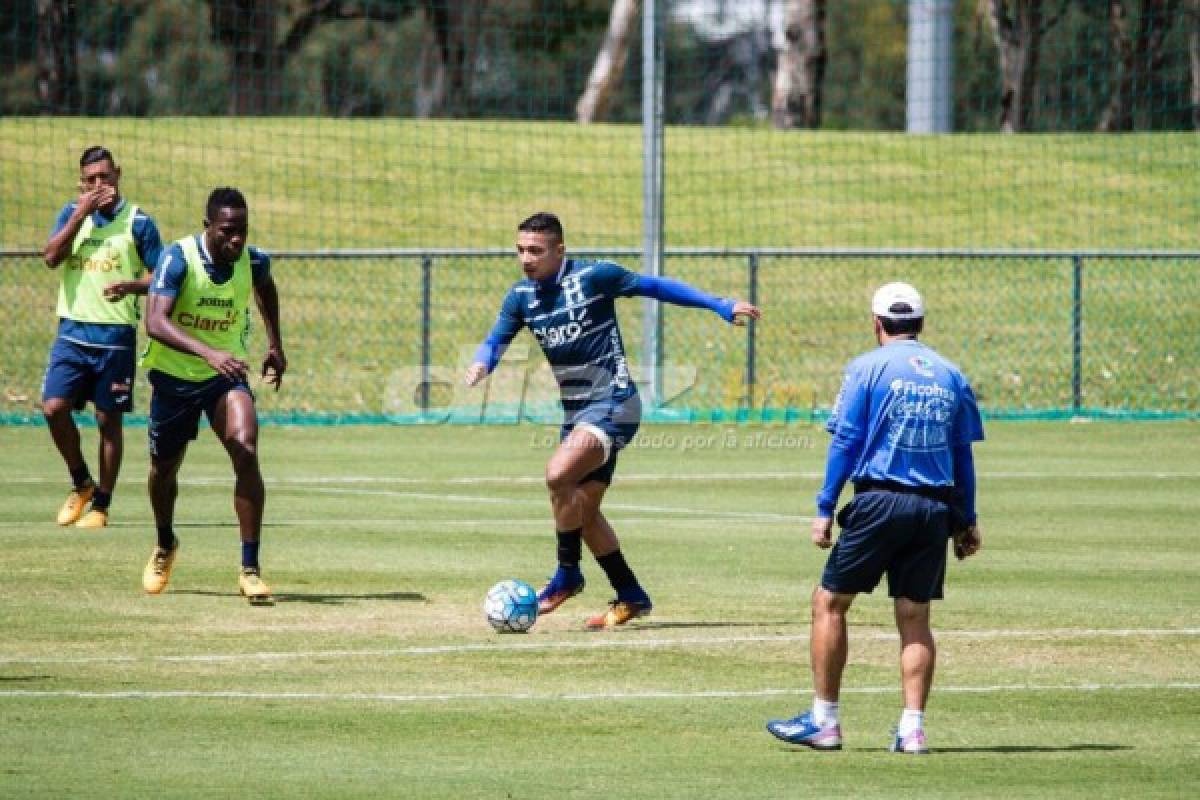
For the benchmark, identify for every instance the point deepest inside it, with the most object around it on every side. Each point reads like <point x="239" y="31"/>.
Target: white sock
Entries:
<point x="910" y="721"/>
<point x="824" y="712"/>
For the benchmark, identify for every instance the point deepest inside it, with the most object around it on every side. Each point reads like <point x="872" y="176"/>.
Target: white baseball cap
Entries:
<point x="898" y="301"/>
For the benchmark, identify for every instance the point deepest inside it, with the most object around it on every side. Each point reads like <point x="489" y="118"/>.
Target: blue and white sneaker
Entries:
<point x="913" y="743"/>
<point x="802" y="730"/>
<point x="562" y="587"/>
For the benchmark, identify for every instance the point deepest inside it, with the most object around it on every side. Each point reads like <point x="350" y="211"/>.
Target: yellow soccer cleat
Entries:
<point x="252" y="587"/>
<point x="619" y="612"/>
<point x="76" y="502"/>
<point x="158" y="569"/>
<point x="93" y="520"/>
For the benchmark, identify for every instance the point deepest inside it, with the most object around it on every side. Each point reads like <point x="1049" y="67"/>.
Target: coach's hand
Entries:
<point x="475" y="373"/>
<point x="822" y="532"/>
<point x="967" y="542"/>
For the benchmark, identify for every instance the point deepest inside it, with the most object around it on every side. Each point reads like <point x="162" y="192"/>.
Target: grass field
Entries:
<point x="445" y="183"/>
<point x="1069" y="664"/>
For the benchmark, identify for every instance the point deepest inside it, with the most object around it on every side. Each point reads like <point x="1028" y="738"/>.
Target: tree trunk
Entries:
<point x="247" y="30"/>
<point x="1018" y="38"/>
<point x="1194" y="52"/>
<point x="1136" y="58"/>
<point x="58" y="70"/>
<point x="448" y="56"/>
<point x="796" y="99"/>
<point x="609" y="67"/>
<point x="431" y="77"/>
<point x="1118" y="114"/>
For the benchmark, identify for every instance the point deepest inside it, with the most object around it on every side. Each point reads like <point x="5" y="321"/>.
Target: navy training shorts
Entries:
<point x="80" y="373"/>
<point x="176" y="406"/>
<point x="902" y="535"/>
<point x="618" y="422"/>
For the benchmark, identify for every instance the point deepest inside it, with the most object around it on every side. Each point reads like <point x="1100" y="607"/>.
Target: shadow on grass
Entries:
<point x="319" y="598"/>
<point x="1035" y="748"/>
<point x="667" y="624"/>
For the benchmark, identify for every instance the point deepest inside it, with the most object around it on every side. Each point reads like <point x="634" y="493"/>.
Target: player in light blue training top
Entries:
<point x="902" y="427"/>
<point x="569" y="305"/>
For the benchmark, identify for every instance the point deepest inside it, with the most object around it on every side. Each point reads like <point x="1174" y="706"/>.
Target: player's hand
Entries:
<point x="117" y="291"/>
<point x="743" y="312"/>
<point x="822" y="532"/>
<point x="226" y="364"/>
<point x="475" y="373"/>
<point x="92" y="199"/>
<point x="967" y="542"/>
<point x="274" y="365"/>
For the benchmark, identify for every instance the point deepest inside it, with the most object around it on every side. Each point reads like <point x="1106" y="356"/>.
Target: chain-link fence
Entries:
<point x="385" y="336"/>
<point x="788" y="130"/>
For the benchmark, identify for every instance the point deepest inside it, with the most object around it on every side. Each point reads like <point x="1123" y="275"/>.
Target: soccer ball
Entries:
<point x="511" y="606"/>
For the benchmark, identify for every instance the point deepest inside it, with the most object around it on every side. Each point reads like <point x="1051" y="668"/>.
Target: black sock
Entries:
<point x="166" y="537"/>
<point x="570" y="547"/>
<point x="618" y="572"/>
<point x="81" y="476"/>
<point x="250" y="555"/>
<point x="101" y="500"/>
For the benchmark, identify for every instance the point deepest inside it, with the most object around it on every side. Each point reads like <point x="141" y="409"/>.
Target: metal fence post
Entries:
<point x="652" y="190"/>
<point x="1076" y="333"/>
<point x="751" y="352"/>
<point x="426" y="317"/>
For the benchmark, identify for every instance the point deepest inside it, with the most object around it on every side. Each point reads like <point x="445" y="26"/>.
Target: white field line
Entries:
<point x="687" y="643"/>
<point x="541" y="502"/>
<point x="387" y="697"/>
<point x="539" y="523"/>
<point x="714" y="477"/>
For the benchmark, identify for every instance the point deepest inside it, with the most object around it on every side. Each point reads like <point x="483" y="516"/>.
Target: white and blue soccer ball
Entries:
<point x="511" y="606"/>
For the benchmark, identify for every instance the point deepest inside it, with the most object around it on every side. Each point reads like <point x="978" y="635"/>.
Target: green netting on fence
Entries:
<point x="428" y="124"/>
<point x="1040" y="335"/>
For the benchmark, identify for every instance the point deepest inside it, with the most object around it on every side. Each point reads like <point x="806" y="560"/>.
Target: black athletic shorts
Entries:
<point x="898" y="534"/>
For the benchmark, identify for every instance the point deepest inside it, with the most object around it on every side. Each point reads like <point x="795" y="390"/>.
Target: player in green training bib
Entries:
<point x="197" y="318"/>
<point x="101" y="244"/>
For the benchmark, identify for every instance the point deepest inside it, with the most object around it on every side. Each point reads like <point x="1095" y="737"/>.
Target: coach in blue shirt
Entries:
<point x="902" y="427"/>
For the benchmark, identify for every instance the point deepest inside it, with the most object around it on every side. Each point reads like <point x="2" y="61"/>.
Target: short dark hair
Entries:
<point x="225" y="197"/>
<point x="897" y="327"/>
<point x="542" y="222"/>
<point x="94" y="154"/>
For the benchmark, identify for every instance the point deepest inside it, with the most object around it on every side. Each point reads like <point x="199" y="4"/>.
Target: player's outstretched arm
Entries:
<point x="675" y="292"/>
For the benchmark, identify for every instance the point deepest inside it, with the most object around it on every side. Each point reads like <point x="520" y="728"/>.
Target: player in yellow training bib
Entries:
<point x="103" y="244"/>
<point x="197" y="321"/>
